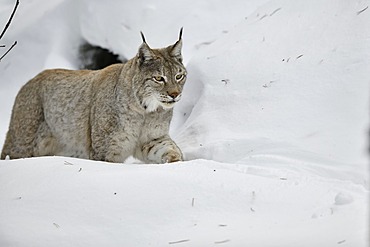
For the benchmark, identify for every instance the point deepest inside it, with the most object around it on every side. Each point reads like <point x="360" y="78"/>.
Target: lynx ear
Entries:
<point x="145" y="52"/>
<point x="175" y="50"/>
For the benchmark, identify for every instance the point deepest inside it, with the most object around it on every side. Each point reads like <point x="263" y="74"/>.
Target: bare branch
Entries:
<point x="10" y="19"/>
<point x="8" y="50"/>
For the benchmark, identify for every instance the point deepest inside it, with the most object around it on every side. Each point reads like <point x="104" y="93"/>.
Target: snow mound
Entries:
<point x="289" y="82"/>
<point x="71" y="202"/>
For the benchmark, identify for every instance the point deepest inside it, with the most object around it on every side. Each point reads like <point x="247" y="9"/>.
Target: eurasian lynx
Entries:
<point x="108" y="114"/>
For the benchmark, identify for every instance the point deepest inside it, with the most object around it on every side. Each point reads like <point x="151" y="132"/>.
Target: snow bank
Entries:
<point x="273" y="122"/>
<point x="116" y="24"/>
<point x="70" y="202"/>
<point x="289" y="81"/>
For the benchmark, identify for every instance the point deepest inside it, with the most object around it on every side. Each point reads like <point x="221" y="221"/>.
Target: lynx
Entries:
<point x="108" y="115"/>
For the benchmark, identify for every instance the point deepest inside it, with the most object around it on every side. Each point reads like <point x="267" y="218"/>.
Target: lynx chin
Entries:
<point x="110" y="114"/>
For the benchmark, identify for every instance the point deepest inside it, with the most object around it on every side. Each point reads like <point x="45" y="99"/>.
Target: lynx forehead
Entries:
<point x="110" y="114"/>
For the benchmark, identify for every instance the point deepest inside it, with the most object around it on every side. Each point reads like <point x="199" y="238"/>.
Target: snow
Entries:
<point x="74" y="202"/>
<point x="273" y="123"/>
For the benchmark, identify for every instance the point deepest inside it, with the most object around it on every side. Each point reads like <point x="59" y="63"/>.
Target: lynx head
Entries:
<point x="161" y="76"/>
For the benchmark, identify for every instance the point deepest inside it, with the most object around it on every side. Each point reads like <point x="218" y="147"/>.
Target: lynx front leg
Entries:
<point x="115" y="148"/>
<point x="161" y="150"/>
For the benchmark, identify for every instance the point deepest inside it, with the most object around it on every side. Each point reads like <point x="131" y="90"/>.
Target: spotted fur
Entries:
<point x="110" y="114"/>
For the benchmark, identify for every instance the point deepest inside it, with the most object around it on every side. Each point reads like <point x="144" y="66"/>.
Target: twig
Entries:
<point x="180" y="241"/>
<point x="68" y="163"/>
<point x="359" y="12"/>
<point x="276" y="10"/>
<point x="223" y="241"/>
<point x="264" y="16"/>
<point x="8" y="51"/>
<point x="225" y="81"/>
<point x="10" y="19"/>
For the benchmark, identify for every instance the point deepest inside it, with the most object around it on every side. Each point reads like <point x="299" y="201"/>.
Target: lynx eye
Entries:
<point x="159" y="79"/>
<point x="179" y="77"/>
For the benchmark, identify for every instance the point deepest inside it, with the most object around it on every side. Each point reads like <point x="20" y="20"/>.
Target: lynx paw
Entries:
<point x="171" y="156"/>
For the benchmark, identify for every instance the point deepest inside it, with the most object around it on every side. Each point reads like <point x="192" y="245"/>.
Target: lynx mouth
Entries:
<point x="168" y="101"/>
<point x="168" y="104"/>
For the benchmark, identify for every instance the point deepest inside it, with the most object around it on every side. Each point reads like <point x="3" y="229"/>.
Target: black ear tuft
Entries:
<point x="180" y="35"/>
<point x="142" y="36"/>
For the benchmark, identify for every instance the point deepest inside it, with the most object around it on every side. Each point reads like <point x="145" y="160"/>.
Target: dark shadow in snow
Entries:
<point x="95" y="57"/>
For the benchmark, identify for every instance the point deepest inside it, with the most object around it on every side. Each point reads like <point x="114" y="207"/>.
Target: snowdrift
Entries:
<point x="273" y="123"/>
<point x="68" y="202"/>
<point x="281" y="82"/>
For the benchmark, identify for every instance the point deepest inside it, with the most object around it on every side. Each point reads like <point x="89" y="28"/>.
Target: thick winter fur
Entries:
<point x="109" y="114"/>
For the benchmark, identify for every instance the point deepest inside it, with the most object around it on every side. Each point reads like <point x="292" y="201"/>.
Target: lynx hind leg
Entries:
<point x="26" y="117"/>
<point x="163" y="150"/>
<point x="45" y="143"/>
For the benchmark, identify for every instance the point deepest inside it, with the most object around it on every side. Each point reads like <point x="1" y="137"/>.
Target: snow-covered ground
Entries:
<point x="273" y="123"/>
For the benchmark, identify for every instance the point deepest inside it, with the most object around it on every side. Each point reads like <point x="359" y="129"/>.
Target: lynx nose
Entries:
<point x="173" y="94"/>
